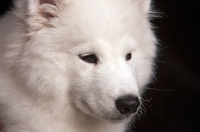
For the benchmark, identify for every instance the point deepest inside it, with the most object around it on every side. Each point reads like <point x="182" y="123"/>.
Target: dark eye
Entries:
<point x="89" y="58"/>
<point x="128" y="56"/>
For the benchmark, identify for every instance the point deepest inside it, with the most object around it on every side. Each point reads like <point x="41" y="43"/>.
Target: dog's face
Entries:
<point x="104" y="71"/>
<point x="96" y="53"/>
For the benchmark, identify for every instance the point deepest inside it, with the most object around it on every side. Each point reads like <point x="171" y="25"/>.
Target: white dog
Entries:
<point x="74" y="65"/>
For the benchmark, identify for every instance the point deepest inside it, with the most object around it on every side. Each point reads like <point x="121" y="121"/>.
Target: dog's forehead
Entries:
<point x="123" y="42"/>
<point x="101" y="18"/>
<point x="104" y="46"/>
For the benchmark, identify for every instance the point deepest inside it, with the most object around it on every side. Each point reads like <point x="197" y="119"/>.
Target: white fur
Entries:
<point x="46" y="87"/>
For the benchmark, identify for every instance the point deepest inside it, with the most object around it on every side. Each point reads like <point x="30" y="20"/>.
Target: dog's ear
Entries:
<point x="45" y="8"/>
<point x="145" y="4"/>
<point x="39" y="13"/>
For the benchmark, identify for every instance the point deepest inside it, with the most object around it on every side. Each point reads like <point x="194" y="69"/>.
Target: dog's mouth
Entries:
<point x="114" y="118"/>
<point x="87" y="106"/>
<point x="118" y="119"/>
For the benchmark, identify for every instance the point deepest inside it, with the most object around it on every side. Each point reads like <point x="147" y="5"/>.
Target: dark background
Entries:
<point x="175" y="96"/>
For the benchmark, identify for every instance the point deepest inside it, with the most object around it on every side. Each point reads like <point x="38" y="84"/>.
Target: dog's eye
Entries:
<point x="128" y="56"/>
<point x="89" y="58"/>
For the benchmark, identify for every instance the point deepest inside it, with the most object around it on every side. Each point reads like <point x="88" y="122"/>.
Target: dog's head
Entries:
<point x="96" y="53"/>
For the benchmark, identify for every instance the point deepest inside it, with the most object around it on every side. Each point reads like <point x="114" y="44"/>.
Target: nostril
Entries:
<point x="127" y="104"/>
<point x="124" y="110"/>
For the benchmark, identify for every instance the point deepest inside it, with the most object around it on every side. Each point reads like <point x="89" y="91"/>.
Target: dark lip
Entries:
<point x="117" y="119"/>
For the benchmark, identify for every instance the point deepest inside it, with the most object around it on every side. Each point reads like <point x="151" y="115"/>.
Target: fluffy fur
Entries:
<point x="46" y="87"/>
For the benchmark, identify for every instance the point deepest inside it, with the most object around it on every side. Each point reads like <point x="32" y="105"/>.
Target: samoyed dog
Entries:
<point x="74" y="65"/>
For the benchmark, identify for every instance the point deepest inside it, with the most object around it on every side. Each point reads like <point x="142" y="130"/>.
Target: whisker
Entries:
<point x="161" y="61"/>
<point x="160" y="89"/>
<point x="164" y="48"/>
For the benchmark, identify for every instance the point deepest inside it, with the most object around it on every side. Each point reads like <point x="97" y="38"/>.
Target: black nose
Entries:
<point x="127" y="104"/>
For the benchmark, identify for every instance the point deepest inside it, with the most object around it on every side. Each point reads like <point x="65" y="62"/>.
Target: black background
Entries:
<point x="175" y="96"/>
